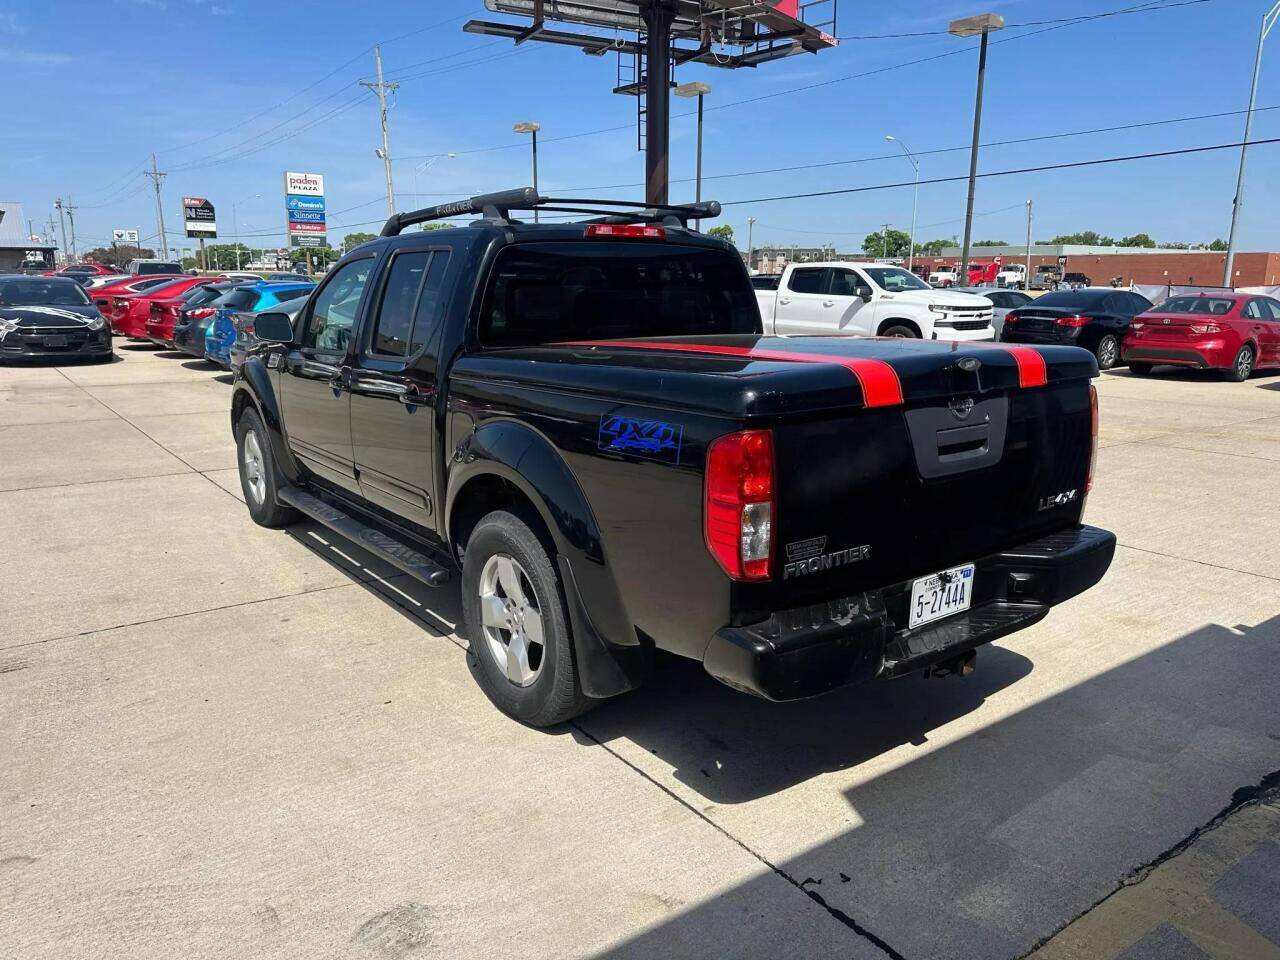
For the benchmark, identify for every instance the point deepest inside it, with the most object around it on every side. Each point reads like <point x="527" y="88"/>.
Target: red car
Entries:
<point x="86" y="269"/>
<point x="166" y="309"/>
<point x="1236" y="333"/>
<point x="102" y="296"/>
<point x="130" y="311"/>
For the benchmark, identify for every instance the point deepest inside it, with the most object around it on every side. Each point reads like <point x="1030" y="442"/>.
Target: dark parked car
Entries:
<point x="588" y="420"/>
<point x="1096" y="318"/>
<point x="42" y="317"/>
<point x="1074" y="280"/>
<point x="197" y="315"/>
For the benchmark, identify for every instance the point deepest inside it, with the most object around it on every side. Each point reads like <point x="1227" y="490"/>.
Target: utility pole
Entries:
<point x="63" y="223"/>
<point x="158" y="178"/>
<point x="71" y="216"/>
<point x="751" y="223"/>
<point x="1026" y="280"/>
<point x="381" y="89"/>
<point x="969" y="27"/>
<point x="1268" y="21"/>
<point x="884" y="242"/>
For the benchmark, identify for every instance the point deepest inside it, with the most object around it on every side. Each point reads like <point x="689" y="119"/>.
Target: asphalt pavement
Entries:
<point x="223" y="741"/>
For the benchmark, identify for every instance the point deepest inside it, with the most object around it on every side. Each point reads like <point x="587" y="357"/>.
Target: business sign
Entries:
<point x="198" y="215"/>
<point x="124" y="236"/>
<point x="304" y="209"/>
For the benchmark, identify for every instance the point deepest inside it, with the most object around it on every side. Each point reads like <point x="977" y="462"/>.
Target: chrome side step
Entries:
<point x="400" y="556"/>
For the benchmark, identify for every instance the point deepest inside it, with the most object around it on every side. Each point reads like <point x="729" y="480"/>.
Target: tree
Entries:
<point x="119" y="255"/>
<point x="1087" y="238"/>
<point x="723" y="231"/>
<point x="991" y="243"/>
<point x="1218" y="245"/>
<point x="1137" y="240"/>
<point x="222" y="256"/>
<point x="353" y="240"/>
<point x="934" y="247"/>
<point x="898" y="245"/>
<point x="437" y="225"/>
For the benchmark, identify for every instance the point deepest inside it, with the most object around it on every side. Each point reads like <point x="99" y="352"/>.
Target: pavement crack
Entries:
<point x="1241" y="797"/>
<point x="1202" y="563"/>
<point x="835" y="912"/>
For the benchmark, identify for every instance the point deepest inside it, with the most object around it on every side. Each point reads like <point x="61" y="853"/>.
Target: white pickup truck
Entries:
<point x="873" y="299"/>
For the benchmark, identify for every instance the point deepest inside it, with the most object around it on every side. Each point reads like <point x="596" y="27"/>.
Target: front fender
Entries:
<point x="610" y="656"/>
<point x="254" y="387"/>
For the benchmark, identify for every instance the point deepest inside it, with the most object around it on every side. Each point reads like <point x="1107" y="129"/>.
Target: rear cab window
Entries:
<point x="806" y="279"/>
<point x="549" y="292"/>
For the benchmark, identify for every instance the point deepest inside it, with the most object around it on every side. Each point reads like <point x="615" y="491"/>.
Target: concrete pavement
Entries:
<point x="221" y="741"/>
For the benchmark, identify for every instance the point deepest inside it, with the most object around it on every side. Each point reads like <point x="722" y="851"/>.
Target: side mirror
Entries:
<point x="273" y="327"/>
<point x="864" y="292"/>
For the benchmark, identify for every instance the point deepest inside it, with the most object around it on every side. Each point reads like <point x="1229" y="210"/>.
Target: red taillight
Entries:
<point x="243" y="323"/>
<point x="740" y="503"/>
<point x="1072" y="321"/>
<point x="626" y="230"/>
<point x="1013" y="318"/>
<point x="200" y="313"/>
<point x="1093" y="438"/>
<point x="1205" y="328"/>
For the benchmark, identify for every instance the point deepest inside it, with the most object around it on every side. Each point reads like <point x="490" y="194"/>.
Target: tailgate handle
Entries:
<point x="943" y="446"/>
<point x="963" y="442"/>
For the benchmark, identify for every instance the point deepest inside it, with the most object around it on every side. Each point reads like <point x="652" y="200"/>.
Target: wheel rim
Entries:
<point x="1244" y="363"/>
<point x="1107" y="352"/>
<point x="511" y="619"/>
<point x="254" y="470"/>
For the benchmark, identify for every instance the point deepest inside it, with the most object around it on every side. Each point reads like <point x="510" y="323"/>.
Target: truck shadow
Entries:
<point x="984" y="845"/>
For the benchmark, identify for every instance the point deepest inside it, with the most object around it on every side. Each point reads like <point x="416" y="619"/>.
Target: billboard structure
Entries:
<point x="668" y="33"/>
<point x="199" y="217"/>
<point x="304" y="209"/>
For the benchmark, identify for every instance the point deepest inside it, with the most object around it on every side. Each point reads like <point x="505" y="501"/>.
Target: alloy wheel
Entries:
<point x="511" y="619"/>
<point x="254" y="468"/>
<point x="1244" y="364"/>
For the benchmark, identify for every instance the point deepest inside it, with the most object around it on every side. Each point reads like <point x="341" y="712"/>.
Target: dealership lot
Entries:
<point x="220" y="740"/>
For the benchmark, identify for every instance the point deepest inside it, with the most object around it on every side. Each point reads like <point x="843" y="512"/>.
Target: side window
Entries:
<point x="1139" y="303"/>
<point x="1116" y="303"/>
<point x="1254" y="310"/>
<point x="845" y="283"/>
<point x="806" y="280"/>
<point x="1274" y="307"/>
<point x="333" y="313"/>
<point x="395" y="314"/>
<point x="284" y="296"/>
<point x="430" y="301"/>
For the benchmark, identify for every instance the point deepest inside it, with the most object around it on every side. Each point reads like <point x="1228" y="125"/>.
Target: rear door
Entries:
<point x="394" y="387"/>
<point x="800" y="308"/>
<point x="316" y="375"/>
<point x="1263" y="328"/>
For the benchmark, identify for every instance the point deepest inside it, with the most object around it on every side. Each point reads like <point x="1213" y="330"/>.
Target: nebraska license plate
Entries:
<point x="940" y="595"/>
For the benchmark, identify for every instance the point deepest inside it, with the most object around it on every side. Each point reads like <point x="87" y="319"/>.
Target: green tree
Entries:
<point x="353" y="240"/>
<point x="991" y="243"/>
<point x="222" y="256"/>
<point x="119" y="255"/>
<point x="723" y="231"/>
<point x="933" y="248"/>
<point x="1088" y="238"/>
<point x="1137" y="240"/>
<point x="1218" y="245"/>
<point x="437" y="225"/>
<point x="898" y="244"/>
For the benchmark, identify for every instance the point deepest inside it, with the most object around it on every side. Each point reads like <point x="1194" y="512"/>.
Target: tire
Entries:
<point x="900" y="332"/>
<point x="508" y="573"/>
<point x="1107" y="351"/>
<point x="1242" y="367"/>
<point x="259" y="479"/>
<point x="1140" y="369"/>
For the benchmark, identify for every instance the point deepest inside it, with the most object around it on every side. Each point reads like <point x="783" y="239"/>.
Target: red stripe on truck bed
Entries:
<point x="879" y="381"/>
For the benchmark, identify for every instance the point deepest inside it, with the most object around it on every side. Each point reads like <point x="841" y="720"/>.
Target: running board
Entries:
<point x="383" y="547"/>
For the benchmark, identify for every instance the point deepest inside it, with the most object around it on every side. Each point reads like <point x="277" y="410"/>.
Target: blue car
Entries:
<point x="251" y="298"/>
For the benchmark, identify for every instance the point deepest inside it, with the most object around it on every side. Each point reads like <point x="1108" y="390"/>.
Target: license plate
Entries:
<point x="940" y="595"/>
<point x="55" y="341"/>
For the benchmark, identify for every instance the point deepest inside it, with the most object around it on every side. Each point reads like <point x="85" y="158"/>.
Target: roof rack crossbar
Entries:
<point x="496" y="208"/>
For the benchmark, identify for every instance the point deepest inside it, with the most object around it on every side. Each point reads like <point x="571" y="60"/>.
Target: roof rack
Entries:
<point x="496" y="208"/>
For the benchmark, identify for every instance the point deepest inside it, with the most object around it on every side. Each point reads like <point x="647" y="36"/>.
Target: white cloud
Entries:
<point x="218" y="11"/>
<point x="35" y="57"/>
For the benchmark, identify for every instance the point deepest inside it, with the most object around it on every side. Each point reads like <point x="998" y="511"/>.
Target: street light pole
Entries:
<point x="529" y="126"/>
<point x="969" y="27"/>
<point x="751" y="223"/>
<point x="699" y="90"/>
<point x="1268" y="21"/>
<point x="1026" y="279"/>
<point x="915" y="197"/>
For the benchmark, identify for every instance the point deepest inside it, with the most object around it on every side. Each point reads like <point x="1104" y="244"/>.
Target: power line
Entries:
<point x="1005" y="173"/>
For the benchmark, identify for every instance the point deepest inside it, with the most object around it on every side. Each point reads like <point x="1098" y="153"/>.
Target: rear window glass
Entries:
<point x="1072" y="299"/>
<point x="765" y="283"/>
<point x="1212" y="305"/>
<point x="240" y="299"/>
<point x="144" y="268"/>
<point x="584" y="290"/>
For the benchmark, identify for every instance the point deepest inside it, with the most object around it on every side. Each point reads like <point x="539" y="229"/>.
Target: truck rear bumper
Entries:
<point x="811" y="650"/>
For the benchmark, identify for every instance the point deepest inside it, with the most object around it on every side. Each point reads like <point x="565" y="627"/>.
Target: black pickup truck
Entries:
<point x="585" y="418"/>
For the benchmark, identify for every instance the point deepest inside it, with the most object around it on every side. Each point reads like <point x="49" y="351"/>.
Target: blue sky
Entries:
<point x="101" y="84"/>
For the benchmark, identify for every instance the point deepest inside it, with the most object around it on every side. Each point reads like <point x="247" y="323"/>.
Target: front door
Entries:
<point x="848" y="312"/>
<point x="800" y="308"/>
<point x="316" y="376"/>
<point x="393" y="387"/>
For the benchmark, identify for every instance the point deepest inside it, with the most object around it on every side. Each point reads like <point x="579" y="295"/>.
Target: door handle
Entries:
<point x="341" y="380"/>
<point x="784" y="300"/>
<point x="828" y="303"/>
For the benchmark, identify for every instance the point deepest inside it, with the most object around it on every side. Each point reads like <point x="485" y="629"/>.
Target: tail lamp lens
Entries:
<point x="741" y="503"/>
<point x="1071" y="321"/>
<point x="1205" y="328"/>
<point x="1012" y="318"/>
<point x="625" y="230"/>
